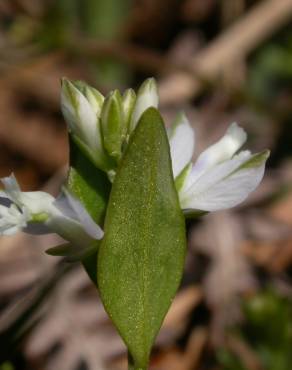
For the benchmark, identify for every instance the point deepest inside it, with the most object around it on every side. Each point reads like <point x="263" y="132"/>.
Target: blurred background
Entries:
<point x="220" y="61"/>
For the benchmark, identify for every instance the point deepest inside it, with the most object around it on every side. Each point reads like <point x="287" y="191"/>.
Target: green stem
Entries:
<point x="131" y="365"/>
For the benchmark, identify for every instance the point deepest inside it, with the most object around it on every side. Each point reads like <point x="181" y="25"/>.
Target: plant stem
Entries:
<point x="131" y="365"/>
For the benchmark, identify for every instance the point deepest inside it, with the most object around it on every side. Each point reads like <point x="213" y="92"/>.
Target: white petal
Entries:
<point x="36" y="201"/>
<point x="89" y="124"/>
<point x="182" y="143"/>
<point x="11" y="188"/>
<point x="226" y="184"/>
<point x="62" y="204"/>
<point x="69" y="229"/>
<point x="147" y="97"/>
<point x="11" y="230"/>
<point x="12" y="220"/>
<point x="80" y="116"/>
<point x="84" y="217"/>
<point x="70" y="220"/>
<point x="224" y="149"/>
<point x="95" y="99"/>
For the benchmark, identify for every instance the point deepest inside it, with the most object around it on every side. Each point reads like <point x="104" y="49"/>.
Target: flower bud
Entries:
<point x="147" y="97"/>
<point x="112" y="124"/>
<point x="94" y="97"/>
<point x="128" y="103"/>
<point x="81" y="106"/>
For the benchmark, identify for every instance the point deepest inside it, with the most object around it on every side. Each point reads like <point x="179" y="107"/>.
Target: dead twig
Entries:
<point x="232" y="45"/>
<point x="28" y="139"/>
<point x="182" y="306"/>
<point x="244" y="352"/>
<point x="195" y="346"/>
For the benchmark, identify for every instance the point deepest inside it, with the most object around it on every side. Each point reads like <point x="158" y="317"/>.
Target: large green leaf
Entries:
<point x="141" y="257"/>
<point x="92" y="188"/>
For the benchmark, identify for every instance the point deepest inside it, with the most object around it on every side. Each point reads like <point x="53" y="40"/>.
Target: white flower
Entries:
<point x="40" y="213"/>
<point x="220" y="178"/>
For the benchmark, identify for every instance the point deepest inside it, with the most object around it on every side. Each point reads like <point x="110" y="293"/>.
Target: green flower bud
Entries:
<point x="128" y="103"/>
<point x="112" y="124"/>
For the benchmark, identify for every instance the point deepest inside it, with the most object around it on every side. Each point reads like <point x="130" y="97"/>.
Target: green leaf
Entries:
<point x="72" y="253"/>
<point x="141" y="258"/>
<point x="101" y="161"/>
<point x="92" y="187"/>
<point x="6" y="366"/>
<point x="60" y="250"/>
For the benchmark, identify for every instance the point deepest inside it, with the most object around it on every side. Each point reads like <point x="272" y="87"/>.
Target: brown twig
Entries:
<point x="195" y="347"/>
<point x="244" y="352"/>
<point x="234" y="44"/>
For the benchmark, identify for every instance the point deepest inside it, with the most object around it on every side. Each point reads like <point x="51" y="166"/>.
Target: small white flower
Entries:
<point x="220" y="178"/>
<point x="40" y="213"/>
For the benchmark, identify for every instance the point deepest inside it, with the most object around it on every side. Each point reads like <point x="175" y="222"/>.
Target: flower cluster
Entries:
<point x="101" y="127"/>
<point x="219" y="179"/>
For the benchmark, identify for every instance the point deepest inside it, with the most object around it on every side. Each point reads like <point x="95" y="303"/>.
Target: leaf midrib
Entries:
<point x="148" y="221"/>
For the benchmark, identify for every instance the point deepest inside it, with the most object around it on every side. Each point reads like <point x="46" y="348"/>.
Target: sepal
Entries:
<point x="72" y="253"/>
